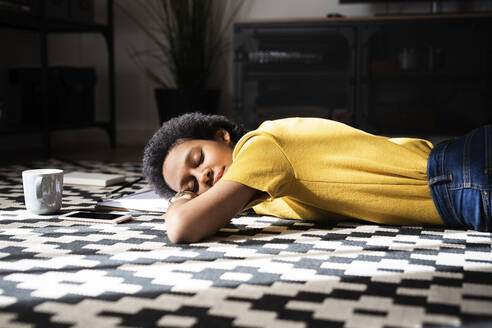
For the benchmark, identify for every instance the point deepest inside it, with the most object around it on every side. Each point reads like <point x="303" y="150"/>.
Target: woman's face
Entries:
<point x="196" y="164"/>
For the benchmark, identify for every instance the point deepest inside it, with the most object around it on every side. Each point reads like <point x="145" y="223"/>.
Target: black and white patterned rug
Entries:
<point x="256" y="272"/>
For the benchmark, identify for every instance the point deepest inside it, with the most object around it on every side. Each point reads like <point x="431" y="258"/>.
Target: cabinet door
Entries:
<point x="427" y="77"/>
<point x="290" y="70"/>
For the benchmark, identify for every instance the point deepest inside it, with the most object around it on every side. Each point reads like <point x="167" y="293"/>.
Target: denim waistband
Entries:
<point x="460" y="179"/>
<point x="438" y="177"/>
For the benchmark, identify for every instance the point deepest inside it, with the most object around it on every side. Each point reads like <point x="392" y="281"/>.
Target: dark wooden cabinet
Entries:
<point x="38" y="20"/>
<point x="412" y="75"/>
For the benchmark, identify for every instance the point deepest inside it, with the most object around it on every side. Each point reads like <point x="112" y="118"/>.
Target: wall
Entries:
<point x="136" y="113"/>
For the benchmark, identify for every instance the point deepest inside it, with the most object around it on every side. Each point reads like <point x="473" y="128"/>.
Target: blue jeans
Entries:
<point x="460" y="178"/>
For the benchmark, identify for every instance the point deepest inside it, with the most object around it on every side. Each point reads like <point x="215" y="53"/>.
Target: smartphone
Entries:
<point x="95" y="217"/>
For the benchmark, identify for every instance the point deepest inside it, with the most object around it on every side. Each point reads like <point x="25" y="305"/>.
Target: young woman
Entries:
<point x="317" y="169"/>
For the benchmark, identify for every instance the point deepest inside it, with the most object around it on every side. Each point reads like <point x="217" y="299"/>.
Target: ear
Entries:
<point x="223" y="135"/>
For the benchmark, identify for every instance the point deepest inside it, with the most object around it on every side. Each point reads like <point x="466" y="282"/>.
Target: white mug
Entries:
<point x="43" y="189"/>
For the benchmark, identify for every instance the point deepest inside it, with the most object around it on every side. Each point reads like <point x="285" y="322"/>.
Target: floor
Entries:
<point x="257" y="271"/>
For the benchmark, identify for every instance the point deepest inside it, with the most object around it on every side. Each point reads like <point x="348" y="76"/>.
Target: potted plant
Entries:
<point x="189" y="39"/>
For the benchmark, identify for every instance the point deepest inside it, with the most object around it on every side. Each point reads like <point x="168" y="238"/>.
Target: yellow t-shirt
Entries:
<point x="324" y="170"/>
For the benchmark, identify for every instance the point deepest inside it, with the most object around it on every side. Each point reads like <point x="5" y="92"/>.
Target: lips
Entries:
<point x="219" y="175"/>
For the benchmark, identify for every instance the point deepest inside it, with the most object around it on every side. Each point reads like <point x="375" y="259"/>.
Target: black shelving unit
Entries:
<point x="418" y="75"/>
<point x="301" y="68"/>
<point x="426" y="75"/>
<point x="40" y="23"/>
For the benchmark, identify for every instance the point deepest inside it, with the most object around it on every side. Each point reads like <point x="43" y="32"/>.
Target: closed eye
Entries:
<point x="200" y="159"/>
<point x="195" y="186"/>
<point x="197" y="162"/>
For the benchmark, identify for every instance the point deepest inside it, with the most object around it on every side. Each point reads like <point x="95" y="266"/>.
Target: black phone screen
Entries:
<point x="94" y="215"/>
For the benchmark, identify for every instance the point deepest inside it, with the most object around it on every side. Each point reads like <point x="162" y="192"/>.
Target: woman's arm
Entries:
<point x="190" y="220"/>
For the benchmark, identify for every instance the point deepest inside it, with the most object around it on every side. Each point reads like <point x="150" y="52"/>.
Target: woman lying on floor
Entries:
<point x="316" y="169"/>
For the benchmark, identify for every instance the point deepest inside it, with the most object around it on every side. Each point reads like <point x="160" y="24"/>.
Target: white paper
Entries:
<point x="145" y="200"/>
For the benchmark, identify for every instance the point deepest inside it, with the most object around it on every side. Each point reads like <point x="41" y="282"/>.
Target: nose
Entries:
<point x="206" y="176"/>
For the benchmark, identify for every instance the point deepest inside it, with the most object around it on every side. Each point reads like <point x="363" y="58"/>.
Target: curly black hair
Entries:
<point x="185" y="127"/>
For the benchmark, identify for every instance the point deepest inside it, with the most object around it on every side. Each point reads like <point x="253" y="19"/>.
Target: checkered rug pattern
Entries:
<point x="258" y="271"/>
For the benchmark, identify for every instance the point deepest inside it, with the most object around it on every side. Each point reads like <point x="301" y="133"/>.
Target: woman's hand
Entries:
<point x="182" y="195"/>
<point x="191" y="218"/>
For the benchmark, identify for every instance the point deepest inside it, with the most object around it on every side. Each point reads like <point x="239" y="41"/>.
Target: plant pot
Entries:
<point x="174" y="102"/>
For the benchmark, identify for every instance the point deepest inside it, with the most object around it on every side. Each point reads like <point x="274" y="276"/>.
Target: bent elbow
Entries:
<point x="177" y="236"/>
<point x="178" y="231"/>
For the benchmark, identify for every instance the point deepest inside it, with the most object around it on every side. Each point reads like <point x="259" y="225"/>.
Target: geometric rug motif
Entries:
<point x="257" y="271"/>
